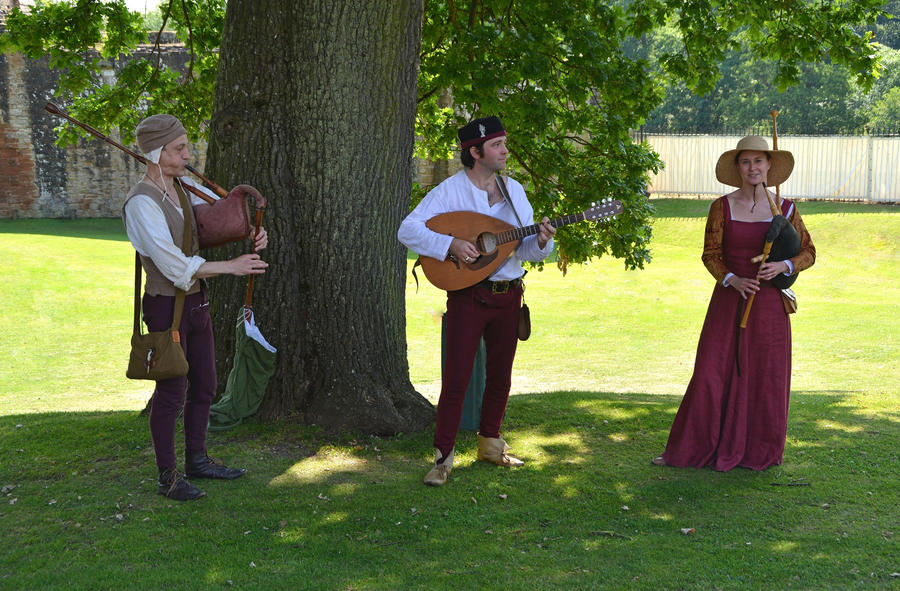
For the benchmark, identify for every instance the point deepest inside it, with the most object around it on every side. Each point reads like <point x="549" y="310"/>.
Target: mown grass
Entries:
<point x="596" y="388"/>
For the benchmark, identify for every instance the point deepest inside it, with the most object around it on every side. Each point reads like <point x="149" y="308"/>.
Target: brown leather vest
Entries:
<point x="157" y="283"/>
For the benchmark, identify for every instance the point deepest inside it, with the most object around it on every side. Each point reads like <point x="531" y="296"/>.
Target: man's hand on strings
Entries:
<point x="464" y="251"/>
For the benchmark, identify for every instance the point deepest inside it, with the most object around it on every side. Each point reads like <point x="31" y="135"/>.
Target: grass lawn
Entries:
<point x="596" y="388"/>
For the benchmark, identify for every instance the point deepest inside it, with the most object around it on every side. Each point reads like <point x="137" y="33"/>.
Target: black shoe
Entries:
<point x="200" y="465"/>
<point x="172" y="485"/>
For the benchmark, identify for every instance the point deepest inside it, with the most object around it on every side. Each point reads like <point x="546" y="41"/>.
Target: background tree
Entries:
<point x="886" y="112"/>
<point x="887" y="29"/>
<point x="818" y="103"/>
<point x="318" y="113"/>
<point x="875" y="106"/>
<point x="315" y="105"/>
<point x="827" y="97"/>
<point x="81" y="37"/>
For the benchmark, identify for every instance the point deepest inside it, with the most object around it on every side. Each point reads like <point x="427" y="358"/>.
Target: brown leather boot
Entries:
<point x="493" y="450"/>
<point x="438" y="475"/>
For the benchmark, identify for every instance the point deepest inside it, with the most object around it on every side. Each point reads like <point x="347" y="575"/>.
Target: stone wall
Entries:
<point x="38" y="179"/>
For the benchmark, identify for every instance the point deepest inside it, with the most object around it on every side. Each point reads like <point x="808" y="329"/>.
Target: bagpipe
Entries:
<point x="782" y="240"/>
<point x="219" y="221"/>
<point x="782" y="243"/>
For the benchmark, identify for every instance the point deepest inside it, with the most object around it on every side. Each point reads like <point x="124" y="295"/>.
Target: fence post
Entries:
<point x="870" y="164"/>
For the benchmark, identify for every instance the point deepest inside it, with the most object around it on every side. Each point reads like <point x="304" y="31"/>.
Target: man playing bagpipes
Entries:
<point x="154" y="220"/>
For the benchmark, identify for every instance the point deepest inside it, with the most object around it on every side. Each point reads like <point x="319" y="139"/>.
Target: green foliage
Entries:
<point x="887" y="27"/>
<point x="153" y="19"/>
<point x="873" y="106"/>
<point x="825" y="96"/>
<point x="567" y="95"/>
<point x="570" y="84"/>
<point x="85" y="38"/>
<point x="75" y="36"/>
<point x="886" y="112"/>
<point x="826" y="99"/>
<point x="818" y="103"/>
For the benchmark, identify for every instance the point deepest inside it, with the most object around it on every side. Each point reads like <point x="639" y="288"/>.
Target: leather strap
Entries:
<point x="186" y="239"/>
<point x="502" y="184"/>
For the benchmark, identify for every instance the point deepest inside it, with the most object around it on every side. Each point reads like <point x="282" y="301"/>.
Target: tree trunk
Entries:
<point x="315" y="106"/>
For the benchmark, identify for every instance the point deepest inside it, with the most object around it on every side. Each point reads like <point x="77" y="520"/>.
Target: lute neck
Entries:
<point x="525" y="231"/>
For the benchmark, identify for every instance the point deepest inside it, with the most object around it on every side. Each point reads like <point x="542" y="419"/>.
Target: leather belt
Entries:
<point x="500" y="286"/>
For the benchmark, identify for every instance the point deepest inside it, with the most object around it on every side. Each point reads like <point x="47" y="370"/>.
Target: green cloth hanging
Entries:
<point x="254" y="364"/>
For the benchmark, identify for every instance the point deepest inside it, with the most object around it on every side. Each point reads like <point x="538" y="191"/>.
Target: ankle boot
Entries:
<point x="493" y="450"/>
<point x="438" y="475"/>
<point x="172" y="485"/>
<point x="200" y="465"/>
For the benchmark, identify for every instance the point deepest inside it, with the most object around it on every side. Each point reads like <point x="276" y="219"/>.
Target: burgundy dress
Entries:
<point x="734" y="412"/>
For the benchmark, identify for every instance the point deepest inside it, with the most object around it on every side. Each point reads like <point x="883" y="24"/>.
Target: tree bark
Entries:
<point x="315" y="106"/>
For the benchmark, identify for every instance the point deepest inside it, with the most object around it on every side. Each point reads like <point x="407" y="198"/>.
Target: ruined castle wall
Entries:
<point x="39" y="179"/>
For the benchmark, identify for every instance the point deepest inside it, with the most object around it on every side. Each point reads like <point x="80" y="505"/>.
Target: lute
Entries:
<point x="495" y="239"/>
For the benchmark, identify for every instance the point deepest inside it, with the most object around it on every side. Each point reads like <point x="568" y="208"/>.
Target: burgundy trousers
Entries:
<point x="471" y="313"/>
<point x="195" y="392"/>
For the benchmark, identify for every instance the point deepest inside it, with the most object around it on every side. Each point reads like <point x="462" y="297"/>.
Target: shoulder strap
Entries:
<point x="185" y="248"/>
<point x="187" y="212"/>
<point x="502" y="184"/>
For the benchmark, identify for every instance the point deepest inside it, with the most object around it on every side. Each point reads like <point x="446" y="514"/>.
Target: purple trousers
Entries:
<point x="471" y="313"/>
<point x="195" y="392"/>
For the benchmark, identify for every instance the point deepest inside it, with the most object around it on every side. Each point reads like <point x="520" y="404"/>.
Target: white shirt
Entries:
<point x="149" y="233"/>
<point x="457" y="193"/>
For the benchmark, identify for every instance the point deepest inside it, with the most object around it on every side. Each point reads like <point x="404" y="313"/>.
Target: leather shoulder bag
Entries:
<point x="158" y="355"/>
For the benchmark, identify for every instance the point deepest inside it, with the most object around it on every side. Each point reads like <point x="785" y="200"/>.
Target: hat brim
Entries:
<point x="480" y="140"/>
<point x="782" y="164"/>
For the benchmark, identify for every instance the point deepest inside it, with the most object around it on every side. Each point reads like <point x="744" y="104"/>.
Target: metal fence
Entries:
<point x="864" y="167"/>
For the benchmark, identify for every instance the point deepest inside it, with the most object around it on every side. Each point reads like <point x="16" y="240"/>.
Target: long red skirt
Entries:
<point x="734" y="412"/>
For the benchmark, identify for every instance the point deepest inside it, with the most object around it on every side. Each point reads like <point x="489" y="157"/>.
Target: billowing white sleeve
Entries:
<point x="416" y="236"/>
<point x="149" y="233"/>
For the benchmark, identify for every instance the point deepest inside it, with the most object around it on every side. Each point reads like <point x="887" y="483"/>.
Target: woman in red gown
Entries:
<point x="734" y="412"/>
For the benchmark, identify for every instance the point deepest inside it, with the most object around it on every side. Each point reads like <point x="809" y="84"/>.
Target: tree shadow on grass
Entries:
<point x="588" y="510"/>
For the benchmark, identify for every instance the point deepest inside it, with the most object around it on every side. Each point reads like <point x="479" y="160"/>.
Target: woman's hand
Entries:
<point x="744" y="285"/>
<point x="769" y="270"/>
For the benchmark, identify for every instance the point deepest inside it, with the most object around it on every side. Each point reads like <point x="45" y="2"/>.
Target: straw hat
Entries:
<point x="782" y="162"/>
